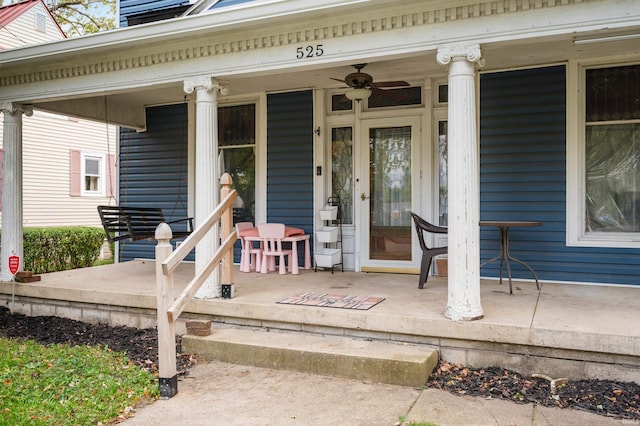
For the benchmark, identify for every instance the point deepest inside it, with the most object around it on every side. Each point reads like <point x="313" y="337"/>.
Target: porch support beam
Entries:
<point x="206" y="173"/>
<point x="12" y="229"/>
<point x="103" y="108"/>
<point x="464" y="188"/>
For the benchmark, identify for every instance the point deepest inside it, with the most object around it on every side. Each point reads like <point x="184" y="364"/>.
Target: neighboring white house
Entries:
<point x="68" y="162"/>
<point x="27" y="23"/>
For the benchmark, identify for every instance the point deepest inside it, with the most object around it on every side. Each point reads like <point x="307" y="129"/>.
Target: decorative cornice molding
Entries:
<point x="396" y="21"/>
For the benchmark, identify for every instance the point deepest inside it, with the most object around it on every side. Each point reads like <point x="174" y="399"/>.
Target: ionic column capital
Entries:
<point x="207" y="83"/>
<point x="471" y="53"/>
<point x="13" y="108"/>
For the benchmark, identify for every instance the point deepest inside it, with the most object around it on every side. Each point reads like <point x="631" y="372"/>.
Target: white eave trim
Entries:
<point x="223" y="19"/>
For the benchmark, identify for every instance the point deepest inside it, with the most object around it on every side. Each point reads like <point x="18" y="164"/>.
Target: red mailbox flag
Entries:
<point x="14" y="264"/>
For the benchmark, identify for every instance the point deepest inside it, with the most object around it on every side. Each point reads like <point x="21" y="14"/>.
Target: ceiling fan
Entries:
<point x="362" y="84"/>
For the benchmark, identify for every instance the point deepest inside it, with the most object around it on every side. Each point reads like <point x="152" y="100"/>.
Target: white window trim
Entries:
<point x="102" y="178"/>
<point x="575" y="190"/>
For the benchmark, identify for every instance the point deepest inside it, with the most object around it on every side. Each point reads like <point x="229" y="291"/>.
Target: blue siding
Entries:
<point x="153" y="170"/>
<point x="290" y="159"/>
<point x="523" y="177"/>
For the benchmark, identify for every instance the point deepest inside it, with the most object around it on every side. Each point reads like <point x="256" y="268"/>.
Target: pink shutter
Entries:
<point x="111" y="175"/>
<point x="74" y="173"/>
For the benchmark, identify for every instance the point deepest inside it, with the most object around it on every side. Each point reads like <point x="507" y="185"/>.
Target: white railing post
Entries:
<point x="168" y="376"/>
<point x="226" y="221"/>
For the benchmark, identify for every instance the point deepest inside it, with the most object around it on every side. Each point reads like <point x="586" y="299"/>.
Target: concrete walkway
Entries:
<point x="226" y="394"/>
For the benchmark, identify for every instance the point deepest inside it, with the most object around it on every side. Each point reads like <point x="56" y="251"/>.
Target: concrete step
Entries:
<point x="373" y="361"/>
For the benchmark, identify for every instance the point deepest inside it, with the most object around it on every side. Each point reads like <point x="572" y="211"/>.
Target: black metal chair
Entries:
<point x="423" y="226"/>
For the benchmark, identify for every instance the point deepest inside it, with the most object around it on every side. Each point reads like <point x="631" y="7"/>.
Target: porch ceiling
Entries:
<point x="415" y="69"/>
<point x="114" y="75"/>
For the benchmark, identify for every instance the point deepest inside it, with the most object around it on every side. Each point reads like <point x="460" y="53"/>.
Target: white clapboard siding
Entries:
<point x="47" y="141"/>
<point x="34" y="26"/>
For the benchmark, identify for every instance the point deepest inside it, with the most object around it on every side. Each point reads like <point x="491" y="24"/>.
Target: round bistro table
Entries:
<point x="504" y="256"/>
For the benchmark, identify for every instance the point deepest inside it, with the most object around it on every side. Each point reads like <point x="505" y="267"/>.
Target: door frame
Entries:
<point x="361" y="152"/>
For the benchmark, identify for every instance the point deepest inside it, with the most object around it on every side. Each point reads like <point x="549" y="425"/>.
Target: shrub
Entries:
<point x="60" y="248"/>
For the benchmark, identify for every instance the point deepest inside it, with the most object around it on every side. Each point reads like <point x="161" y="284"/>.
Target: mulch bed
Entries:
<point x="140" y="346"/>
<point x="608" y="398"/>
<point x="605" y="397"/>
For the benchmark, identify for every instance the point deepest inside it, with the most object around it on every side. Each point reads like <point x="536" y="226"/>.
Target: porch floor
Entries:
<point x="578" y="330"/>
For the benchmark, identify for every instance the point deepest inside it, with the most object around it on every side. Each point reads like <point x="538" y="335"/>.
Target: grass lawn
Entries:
<point x="68" y="385"/>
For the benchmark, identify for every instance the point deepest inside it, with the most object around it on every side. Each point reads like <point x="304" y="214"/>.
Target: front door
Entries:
<point x="390" y="178"/>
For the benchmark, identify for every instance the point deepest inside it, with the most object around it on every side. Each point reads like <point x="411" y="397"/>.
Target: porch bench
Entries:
<point x="137" y="223"/>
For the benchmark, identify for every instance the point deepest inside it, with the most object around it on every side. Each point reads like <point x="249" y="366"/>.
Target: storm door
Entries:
<point x="390" y="177"/>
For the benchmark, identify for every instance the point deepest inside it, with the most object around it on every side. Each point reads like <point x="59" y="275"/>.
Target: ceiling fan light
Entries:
<point x="358" y="94"/>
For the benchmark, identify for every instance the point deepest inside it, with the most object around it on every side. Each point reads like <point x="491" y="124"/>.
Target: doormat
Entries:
<point x="332" y="301"/>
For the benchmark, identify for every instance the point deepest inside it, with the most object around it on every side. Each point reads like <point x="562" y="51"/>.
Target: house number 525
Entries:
<point x="309" y="51"/>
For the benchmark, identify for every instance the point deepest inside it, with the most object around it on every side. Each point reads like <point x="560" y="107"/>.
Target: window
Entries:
<point x="92" y="174"/>
<point x="442" y="94"/>
<point x="237" y="144"/>
<point x="609" y="153"/>
<point x="443" y="186"/>
<point x="382" y="98"/>
<point x="612" y="151"/>
<point x="405" y="96"/>
<point x="340" y="103"/>
<point x="342" y="170"/>
<point x="441" y="99"/>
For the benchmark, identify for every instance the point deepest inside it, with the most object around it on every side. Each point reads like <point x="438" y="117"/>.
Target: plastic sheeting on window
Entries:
<point x="613" y="178"/>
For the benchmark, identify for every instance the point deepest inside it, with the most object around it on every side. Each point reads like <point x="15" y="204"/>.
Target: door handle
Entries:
<point x="363" y="197"/>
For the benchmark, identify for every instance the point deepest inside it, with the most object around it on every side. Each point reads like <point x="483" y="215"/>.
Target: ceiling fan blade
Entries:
<point x="381" y="84"/>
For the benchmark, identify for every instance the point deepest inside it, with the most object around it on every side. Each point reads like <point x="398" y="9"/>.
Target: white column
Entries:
<point x="207" y="194"/>
<point x="464" y="187"/>
<point x="12" y="240"/>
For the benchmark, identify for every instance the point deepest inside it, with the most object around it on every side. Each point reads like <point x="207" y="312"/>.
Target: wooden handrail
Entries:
<point x="169" y="309"/>
<point x="174" y="260"/>
<point x="192" y="288"/>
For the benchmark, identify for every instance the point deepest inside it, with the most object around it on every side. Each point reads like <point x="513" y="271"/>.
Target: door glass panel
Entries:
<point x="390" y="193"/>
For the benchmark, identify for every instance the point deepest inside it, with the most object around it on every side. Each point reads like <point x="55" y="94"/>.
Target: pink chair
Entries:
<point x="250" y="255"/>
<point x="271" y="235"/>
